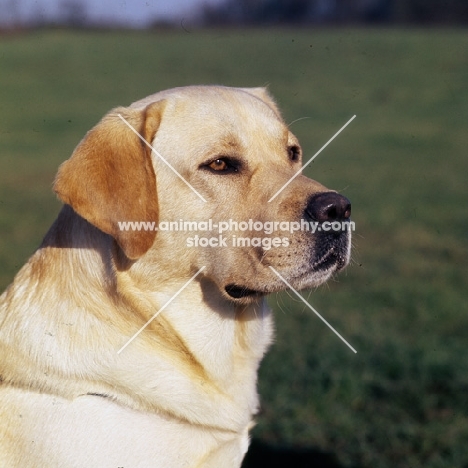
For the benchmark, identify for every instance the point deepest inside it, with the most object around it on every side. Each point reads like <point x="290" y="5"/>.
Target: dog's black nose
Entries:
<point x="328" y="206"/>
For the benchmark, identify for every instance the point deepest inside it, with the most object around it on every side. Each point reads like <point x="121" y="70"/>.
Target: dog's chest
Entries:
<point x="94" y="431"/>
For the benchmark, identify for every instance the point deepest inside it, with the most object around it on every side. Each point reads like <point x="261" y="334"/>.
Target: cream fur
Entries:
<point x="183" y="393"/>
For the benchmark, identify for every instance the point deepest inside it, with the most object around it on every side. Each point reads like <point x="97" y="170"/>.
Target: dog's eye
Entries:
<point x="222" y="166"/>
<point x="294" y="153"/>
<point x="218" y="165"/>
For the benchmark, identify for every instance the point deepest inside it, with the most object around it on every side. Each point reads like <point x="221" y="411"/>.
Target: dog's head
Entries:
<point x="188" y="157"/>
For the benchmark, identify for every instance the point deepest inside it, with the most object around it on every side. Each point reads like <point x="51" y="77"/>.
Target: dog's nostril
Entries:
<point x="332" y="212"/>
<point x="328" y="206"/>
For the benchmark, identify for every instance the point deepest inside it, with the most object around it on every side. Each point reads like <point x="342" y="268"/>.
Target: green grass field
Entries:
<point x="402" y="400"/>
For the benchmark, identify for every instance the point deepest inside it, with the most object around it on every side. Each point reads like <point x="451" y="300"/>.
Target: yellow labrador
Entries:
<point x="74" y="392"/>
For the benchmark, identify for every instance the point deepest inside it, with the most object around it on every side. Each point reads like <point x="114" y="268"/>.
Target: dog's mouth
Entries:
<point x="332" y="252"/>
<point x="236" y="291"/>
<point x="333" y="256"/>
<point x="331" y="259"/>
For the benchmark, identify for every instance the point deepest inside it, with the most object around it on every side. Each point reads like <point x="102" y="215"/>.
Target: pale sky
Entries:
<point x="137" y="13"/>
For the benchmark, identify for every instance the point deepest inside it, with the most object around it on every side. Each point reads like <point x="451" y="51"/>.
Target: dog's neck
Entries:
<point x="208" y="349"/>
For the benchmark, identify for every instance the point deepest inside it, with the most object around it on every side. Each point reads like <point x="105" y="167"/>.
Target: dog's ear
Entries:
<point x="264" y="95"/>
<point x="110" y="177"/>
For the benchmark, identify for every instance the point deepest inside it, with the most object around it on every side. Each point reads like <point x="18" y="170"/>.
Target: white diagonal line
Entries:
<point x="160" y="310"/>
<point x="312" y="158"/>
<point x="312" y="309"/>
<point x="159" y="155"/>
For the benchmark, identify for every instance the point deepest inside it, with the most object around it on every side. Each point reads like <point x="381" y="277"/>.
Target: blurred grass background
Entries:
<point x="401" y="401"/>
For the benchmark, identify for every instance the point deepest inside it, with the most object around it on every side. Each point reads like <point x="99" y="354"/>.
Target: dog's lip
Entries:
<point x="334" y="259"/>
<point x="241" y="292"/>
<point x="330" y="259"/>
